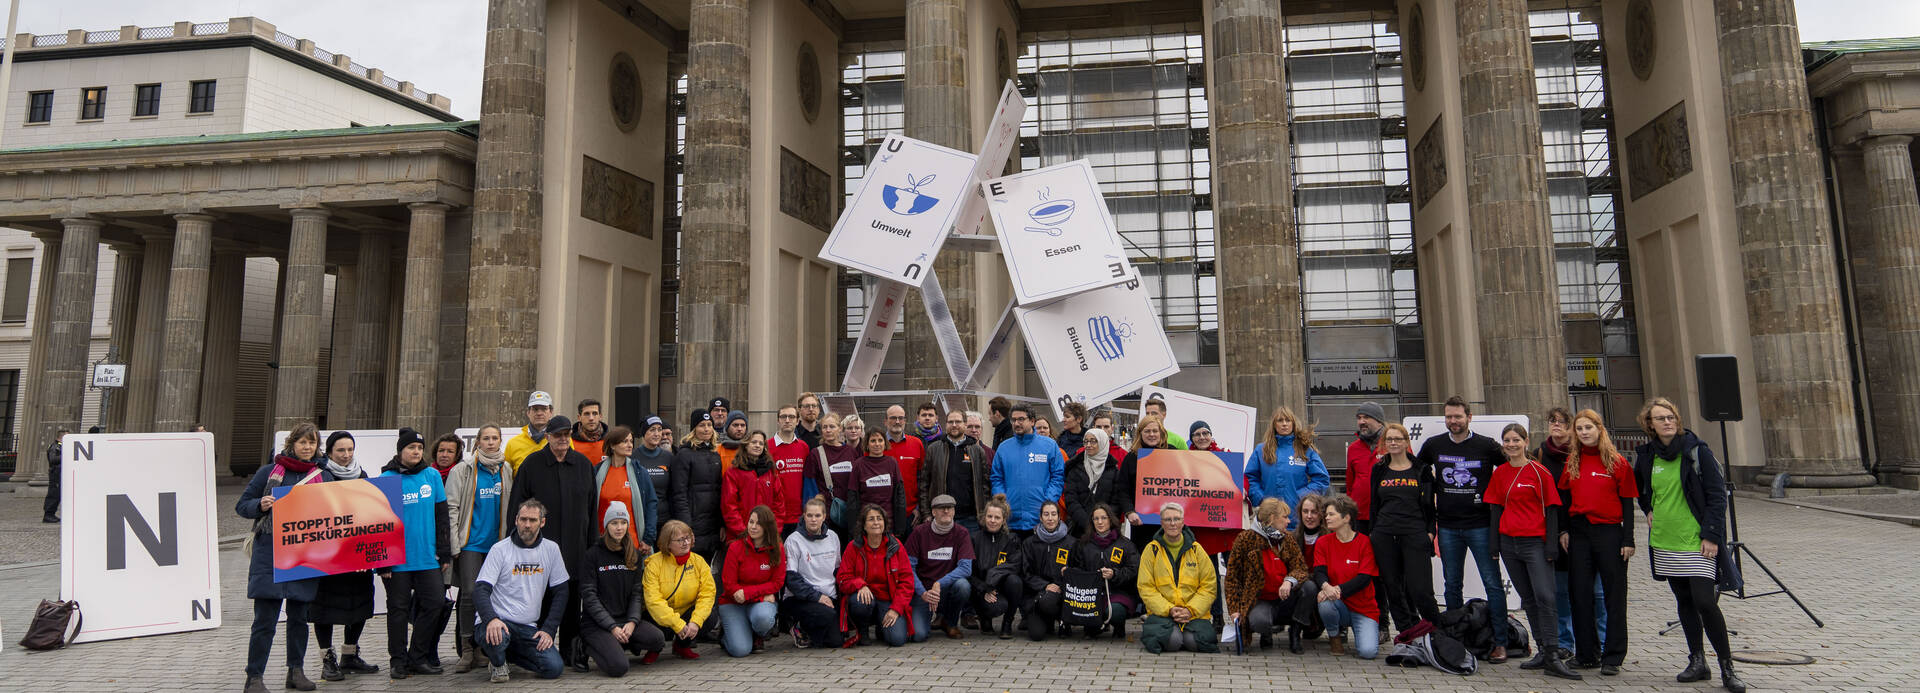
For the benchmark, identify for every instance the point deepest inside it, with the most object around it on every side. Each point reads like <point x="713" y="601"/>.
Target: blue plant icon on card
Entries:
<point x="1109" y="338"/>
<point x="1050" y="214"/>
<point x="909" y="200"/>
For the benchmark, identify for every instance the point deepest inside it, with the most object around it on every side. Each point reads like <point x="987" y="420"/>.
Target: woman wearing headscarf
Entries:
<point x="292" y="466"/>
<point x="345" y="599"/>
<point x="477" y="492"/>
<point x="1092" y="477"/>
<point x="610" y="597"/>
<point x="1102" y="550"/>
<point x="1264" y="574"/>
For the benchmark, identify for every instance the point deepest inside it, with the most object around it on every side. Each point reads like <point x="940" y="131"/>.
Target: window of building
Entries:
<point x="9" y="400"/>
<point x="93" y="103"/>
<point x="202" y="101"/>
<point x="40" y="107"/>
<point x="146" y="100"/>
<point x="13" y="305"/>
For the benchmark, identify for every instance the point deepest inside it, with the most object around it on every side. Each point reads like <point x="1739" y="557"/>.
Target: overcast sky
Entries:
<point x="437" y="44"/>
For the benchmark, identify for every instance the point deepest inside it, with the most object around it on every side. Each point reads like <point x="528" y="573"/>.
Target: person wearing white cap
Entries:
<point x="610" y="596"/>
<point x="533" y="436"/>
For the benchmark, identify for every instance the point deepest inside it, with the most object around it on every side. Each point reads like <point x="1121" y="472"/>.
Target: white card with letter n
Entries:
<point x="903" y="212"/>
<point x="1097" y="345"/>
<point x="1056" y="233"/>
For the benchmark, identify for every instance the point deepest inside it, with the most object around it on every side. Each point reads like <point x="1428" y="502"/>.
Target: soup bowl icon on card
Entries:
<point x="1050" y="214"/>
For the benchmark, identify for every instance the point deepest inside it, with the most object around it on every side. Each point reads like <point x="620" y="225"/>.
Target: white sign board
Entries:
<point x="138" y="541"/>
<point x="110" y="375"/>
<point x="1095" y="346"/>
<point x="901" y="216"/>
<point x="884" y="309"/>
<point x="1234" y="426"/>
<point x="1002" y="134"/>
<point x="1420" y="428"/>
<point x="1056" y="233"/>
<point x="374" y="447"/>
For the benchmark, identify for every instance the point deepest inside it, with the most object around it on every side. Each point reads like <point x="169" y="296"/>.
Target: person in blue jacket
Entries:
<point x="1029" y="470"/>
<point x="1291" y="477"/>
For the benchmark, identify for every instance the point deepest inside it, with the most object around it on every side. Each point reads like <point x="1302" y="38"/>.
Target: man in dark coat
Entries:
<point x="562" y="479"/>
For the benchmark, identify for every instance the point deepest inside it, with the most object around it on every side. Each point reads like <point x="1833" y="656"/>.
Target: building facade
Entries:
<point x="1527" y="204"/>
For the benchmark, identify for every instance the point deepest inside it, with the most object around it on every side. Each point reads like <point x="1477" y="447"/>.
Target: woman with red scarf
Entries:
<point x="295" y="464"/>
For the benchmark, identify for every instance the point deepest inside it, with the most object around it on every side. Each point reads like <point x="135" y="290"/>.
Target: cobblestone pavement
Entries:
<point x="1859" y="575"/>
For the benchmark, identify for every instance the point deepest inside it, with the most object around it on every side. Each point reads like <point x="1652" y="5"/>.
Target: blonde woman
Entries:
<point x="1285" y="466"/>
<point x="1150" y="434"/>
<point x="1597" y="538"/>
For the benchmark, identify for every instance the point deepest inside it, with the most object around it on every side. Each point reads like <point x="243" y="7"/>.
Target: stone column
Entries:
<point x="178" y="405"/>
<point x="346" y="282"/>
<point x="219" y="367"/>
<point x="304" y="276"/>
<point x="125" y="304"/>
<point x="1801" y="360"/>
<point x="32" y="461"/>
<point x="366" y="362"/>
<point x="418" y="388"/>
<point x="453" y="320"/>
<point x="938" y="111"/>
<point x="1895" y="224"/>
<point x="503" y="329"/>
<point x="1522" y="356"/>
<point x="1258" y="246"/>
<point x="64" y="374"/>
<point x="713" y="290"/>
<point x="149" y="326"/>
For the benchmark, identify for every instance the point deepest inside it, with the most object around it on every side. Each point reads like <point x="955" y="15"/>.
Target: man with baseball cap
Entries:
<point x="533" y="436"/>
<point x="562" y="479"/>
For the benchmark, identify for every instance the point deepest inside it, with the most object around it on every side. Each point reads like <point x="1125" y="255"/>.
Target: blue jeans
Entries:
<point x="1564" y="601"/>
<point x="741" y="623"/>
<point x="861" y="616"/>
<point x="1366" y="631"/>
<point x="520" y="648"/>
<point x="1454" y="544"/>
<point x="953" y="599"/>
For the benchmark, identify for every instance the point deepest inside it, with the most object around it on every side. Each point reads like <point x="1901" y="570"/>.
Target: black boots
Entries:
<point x="1120" y="630"/>
<point x="1730" y="680"/>
<point x="1555" y="666"/>
<point x="330" y="666"/>
<point x="1696" y="669"/>
<point x="1293" y="640"/>
<point x="351" y="663"/>
<point x="297" y="680"/>
<point x="1006" y="627"/>
<point x="397" y="668"/>
<point x="1266" y="640"/>
<point x="255" y="685"/>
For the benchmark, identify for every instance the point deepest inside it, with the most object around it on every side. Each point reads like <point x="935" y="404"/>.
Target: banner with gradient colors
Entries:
<point x="337" y="527"/>
<point x="1207" y="484"/>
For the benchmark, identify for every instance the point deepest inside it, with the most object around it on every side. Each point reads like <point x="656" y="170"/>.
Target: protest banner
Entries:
<point x="1083" y="598"/>
<point x="337" y="527"/>
<point x="1420" y="428"/>
<point x="1235" y="427"/>
<point x="1206" y="484"/>
<point x="1095" y="346"/>
<point x="896" y="223"/>
<point x="1056" y="233"/>
<point x="138" y="544"/>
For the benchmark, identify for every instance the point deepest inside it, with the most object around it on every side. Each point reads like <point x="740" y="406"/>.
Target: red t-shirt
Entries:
<point x="1523" y="493"/>
<point x="1598" y="489"/>
<point x="790" y="464"/>
<point x="1344" y="560"/>
<point x="909" y="452"/>
<point x="1276" y="572"/>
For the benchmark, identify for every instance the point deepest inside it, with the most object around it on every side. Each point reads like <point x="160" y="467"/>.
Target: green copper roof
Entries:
<point x="470" y="128"/>
<point x="1822" y="52"/>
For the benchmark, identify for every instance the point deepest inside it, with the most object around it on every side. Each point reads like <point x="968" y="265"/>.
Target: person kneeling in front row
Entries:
<point x="613" y="623"/>
<point x="518" y="575"/>
<point x="1177" y="584"/>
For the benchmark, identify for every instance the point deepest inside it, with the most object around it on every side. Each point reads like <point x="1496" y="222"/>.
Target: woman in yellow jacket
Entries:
<point x="1177" y="583"/>
<point x="679" y="589"/>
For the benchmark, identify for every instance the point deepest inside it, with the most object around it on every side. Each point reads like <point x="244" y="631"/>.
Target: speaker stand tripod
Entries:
<point x="1740" y="547"/>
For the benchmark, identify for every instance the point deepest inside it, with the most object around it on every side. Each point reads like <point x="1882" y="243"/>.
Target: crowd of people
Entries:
<point x="577" y="544"/>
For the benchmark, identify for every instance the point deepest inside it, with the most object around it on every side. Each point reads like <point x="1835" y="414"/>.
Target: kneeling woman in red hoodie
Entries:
<point x="877" y="582"/>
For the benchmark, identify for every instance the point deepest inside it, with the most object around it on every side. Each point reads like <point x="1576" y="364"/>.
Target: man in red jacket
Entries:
<point x="909" y="451"/>
<point x="1361" y="454"/>
<point x="789" y="464"/>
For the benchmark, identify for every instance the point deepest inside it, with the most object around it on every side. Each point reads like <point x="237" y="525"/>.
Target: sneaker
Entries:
<point x="496" y="673"/>
<point x="685" y="652"/>
<point x="800" y="640"/>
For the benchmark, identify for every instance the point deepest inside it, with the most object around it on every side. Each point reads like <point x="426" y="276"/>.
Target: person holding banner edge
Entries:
<point x="345" y="599"/>
<point x="1152" y="436"/>
<point x="477" y="500"/>
<point x="415" y="587"/>
<point x="1101" y="550"/>
<point x="294" y="465"/>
